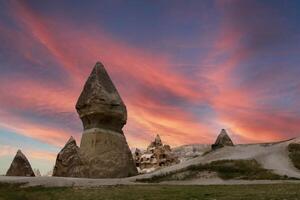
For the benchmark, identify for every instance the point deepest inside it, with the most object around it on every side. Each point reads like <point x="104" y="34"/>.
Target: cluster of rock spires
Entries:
<point x="104" y="152"/>
<point x="157" y="155"/>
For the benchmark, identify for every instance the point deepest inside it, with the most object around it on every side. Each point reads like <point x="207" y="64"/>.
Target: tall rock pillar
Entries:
<point x="103" y="115"/>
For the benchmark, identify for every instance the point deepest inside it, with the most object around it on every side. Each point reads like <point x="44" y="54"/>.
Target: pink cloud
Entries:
<point x="135" y="70"/>
<point x="237" y="105"/>
<point x="125" y="63"/>
<point x="30" y="94"/>
<point x="52" y="135"/>
<point x="6" y="150"/>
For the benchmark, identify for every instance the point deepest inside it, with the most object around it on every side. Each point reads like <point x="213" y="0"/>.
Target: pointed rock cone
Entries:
<point x="158" y="140"/>
<point x="99" y="104"/>
<point x="103" y="115"/>
<point x="69" y="162"/>
<point x="222" y="140"/>
<point x="156" y="143"/>
<point x="20" y="166"/>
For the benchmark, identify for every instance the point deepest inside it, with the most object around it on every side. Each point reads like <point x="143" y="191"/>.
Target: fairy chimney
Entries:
<point x="222" y="140"/>
<point x="103" y="114"/>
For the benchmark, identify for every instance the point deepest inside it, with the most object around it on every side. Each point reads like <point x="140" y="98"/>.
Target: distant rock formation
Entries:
<point x="222" y="140"/>
<point x="189" y="151"/>
<point x="157" y="155"/>
<point x="49" y="173"/>
<point x="20" y="166"/>
<point x="156" y="143"/>
<point x="69" y="163"/>
<point x="103" y="152"/>
<point x="37" y="172"/>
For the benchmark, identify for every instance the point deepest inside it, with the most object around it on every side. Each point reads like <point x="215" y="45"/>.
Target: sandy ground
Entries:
<point x="85" y="182"/>
<point x="271" y="156"/>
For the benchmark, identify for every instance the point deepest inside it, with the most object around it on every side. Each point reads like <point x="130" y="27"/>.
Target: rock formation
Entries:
<point x="69" y="163"/>
<point x="49" y="173"/>
<point x="103" y="115"/>
<point x="189" y="151"/>
<point x="37" y="172"/>
<point x="156" y="143"/>
<point x="157" y="155"/>
<point x="222" y="140"/>
<point x="20" y="166"/>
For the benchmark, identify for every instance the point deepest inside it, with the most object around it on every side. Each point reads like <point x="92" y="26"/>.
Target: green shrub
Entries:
<point x="226" y="169"/>
<point x="294" y="154"/>
<point x="242" y="169"/>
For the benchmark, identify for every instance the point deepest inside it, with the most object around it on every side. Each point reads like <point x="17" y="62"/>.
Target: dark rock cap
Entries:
<point x="222" y="140"/>
<point x="20" y="166"/>
<point x="99" y="104"/>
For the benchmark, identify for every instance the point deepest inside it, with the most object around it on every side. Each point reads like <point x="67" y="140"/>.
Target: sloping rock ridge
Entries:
<point x="69" y="163"/>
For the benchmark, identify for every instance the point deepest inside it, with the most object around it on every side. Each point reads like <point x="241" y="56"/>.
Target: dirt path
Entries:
<point x="84" y="182"/>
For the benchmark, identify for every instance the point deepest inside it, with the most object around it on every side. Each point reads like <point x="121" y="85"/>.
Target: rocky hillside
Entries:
<point x="275" y="158"/>
<point x="186" y="152"/>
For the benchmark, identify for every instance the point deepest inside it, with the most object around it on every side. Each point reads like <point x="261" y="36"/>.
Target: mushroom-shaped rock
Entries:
<point x="222" y="140"/>
<point x="20" y="166"/>
<point x="69" y="162"/>
<point x="103" y="115"/>
<point x="99" y="104"/>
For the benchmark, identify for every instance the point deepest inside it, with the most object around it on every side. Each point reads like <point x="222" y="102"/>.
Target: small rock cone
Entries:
<point x="20" y="166"/>
<point x="222" y="140"/>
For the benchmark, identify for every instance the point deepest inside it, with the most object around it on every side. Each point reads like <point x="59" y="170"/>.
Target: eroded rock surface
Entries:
<point x="99" y="104"/>
<point x="20" y="166"/>
<point x="222" y="140"/>
<point x="103" y="114"/>
<point x="156" y="156"/>
<point x="69" y="163"/>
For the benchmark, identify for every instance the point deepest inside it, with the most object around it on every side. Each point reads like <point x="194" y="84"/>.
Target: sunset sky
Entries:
<point x="185" y="69"/>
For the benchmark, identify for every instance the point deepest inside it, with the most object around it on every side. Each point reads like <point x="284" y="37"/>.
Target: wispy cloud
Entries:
<point x="233" y="86"/>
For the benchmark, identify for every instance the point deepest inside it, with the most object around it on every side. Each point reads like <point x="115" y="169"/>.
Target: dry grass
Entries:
<point x="294" y="154"/>
<point x="154" y="192"/>
<point x="225" y="169"/>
